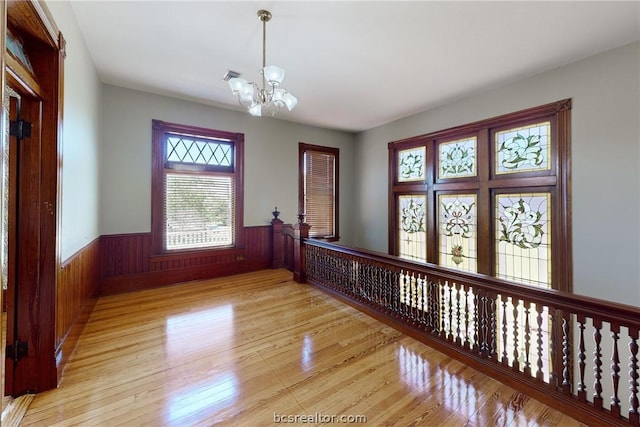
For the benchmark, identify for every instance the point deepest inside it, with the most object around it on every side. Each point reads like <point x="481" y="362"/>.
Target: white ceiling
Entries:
<point x="353" y="65"/>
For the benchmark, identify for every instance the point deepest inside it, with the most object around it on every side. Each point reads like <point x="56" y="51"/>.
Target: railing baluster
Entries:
<point x="615" y="369"/>
<point x="566" y="355"/>
<point x="443" y="311"/>
<point x="634" y="415"/>
<point x="516" y="363"/>
<point x="395" y="291"/>
<point x="597" y="362"/>
<point x="493" y="328"/>
<point x="476" y="324"/>
<point x="553" y="364"/>
<point x="421" y="301"/>
<point x="505" y="359"/>
<point x="582" y="388"/>
<point x="435" y="296"/>
<point x="539" y="311"/>
<point x="484" y="347"/>
<point x="527" y="339"/>
<point x="466" y="318"/>
<point x="450" y="308"/>
<point x="458" y="338"/>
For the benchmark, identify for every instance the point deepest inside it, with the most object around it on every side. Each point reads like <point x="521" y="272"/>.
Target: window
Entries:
<point x="197" y="189"/>
<point x="490" y="197"/>
<point x="318" y="190"/>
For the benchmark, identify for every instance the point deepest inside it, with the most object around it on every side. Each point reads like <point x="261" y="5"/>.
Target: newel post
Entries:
<point x="277" y="260"/>
<point x="301" y="232"/>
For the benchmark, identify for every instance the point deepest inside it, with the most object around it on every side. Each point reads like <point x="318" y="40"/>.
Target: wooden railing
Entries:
<point x="288" y="248"/>
<point x="574" y="353"/>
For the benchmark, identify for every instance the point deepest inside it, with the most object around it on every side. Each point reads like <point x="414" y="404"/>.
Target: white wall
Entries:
<point x="80" y="138"/>
<point x="271" y="159"/>
<point x="605" y="161"/>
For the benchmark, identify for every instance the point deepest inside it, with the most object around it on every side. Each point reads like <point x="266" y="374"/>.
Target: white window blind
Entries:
<point x="199" y="210"/>
<point x="319" y="193"/>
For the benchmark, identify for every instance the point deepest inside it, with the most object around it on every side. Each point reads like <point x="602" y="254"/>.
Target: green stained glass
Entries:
<point x="411" y="164"/>
<point x="457" y="158"/>
<point x="523" y="237"/>
<point x="457" y="231"/>
<point x="524" y="149"/>
<point x="412" y="231"/>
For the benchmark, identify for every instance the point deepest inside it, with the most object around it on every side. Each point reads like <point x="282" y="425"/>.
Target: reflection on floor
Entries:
<point x="257" y="350"/>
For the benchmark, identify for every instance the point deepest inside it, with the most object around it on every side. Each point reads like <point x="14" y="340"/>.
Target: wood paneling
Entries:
<point x="76" y="293"/>
<point x="127" y="263"/>
<point x="122" y="254"/>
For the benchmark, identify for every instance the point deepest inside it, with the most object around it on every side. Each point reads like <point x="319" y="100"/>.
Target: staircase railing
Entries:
<point x="574" y="353"/>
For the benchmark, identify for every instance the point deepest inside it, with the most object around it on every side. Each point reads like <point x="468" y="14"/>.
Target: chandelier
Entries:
<point x="269" y="96"/>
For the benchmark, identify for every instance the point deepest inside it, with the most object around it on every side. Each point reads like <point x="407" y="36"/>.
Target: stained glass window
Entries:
<point x="411" y="164"/>
<point x="490" y="189"/>
<point x="523" y="237"/>
<point x="523" y="149"/>
<point x="457" y="158"/>
<point x="412" y="231"/>
<point x="457" y="231"/>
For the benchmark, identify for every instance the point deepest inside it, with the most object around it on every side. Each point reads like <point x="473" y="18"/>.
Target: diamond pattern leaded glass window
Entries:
<point x="523" y="237"/>
<point x="412" y="221"/>
<point x="523" y="149"/>
<point x="199" y="151"/>
<point x="411" y="164"/>
<point x="457" y="230"/>
<point x="457" y="158"/>
<point x="197" y="192"/>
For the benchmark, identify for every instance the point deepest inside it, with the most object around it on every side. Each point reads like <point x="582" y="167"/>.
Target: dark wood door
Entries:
<point x="23" y="243"/>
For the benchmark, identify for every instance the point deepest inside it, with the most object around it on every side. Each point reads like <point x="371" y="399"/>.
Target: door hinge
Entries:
<point x="20" y="129"/>
<point x="17" y="350"/>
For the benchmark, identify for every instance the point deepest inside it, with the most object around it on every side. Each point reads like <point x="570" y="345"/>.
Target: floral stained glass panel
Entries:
<point x="457" y="215"/>
<point x="457" y="158"/>
<point x="524" y="149"/>
<point x="523" y="238"/>
<point x="412" y="231"/>
<point x="411" y="164"/>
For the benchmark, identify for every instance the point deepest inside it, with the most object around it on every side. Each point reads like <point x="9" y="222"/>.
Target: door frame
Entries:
<point x="36" y="302"/>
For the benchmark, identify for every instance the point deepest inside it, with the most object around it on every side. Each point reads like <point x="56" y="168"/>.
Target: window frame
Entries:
<point x="487" y="183"/>
<point x="160" y="129"/>
<point x="303" y="148"/>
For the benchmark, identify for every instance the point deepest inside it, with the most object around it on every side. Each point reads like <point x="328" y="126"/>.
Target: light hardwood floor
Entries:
<point x="248" y="349"/>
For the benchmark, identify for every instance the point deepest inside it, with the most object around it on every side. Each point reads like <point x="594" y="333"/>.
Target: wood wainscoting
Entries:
<point x="127" y="264"/>
<point x="122" y="263"/>
<point x="77" y="289"/>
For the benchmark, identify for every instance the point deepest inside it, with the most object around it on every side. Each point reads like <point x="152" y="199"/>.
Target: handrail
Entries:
<point x="535" y="339"/>
<point x="613" y="310"/>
